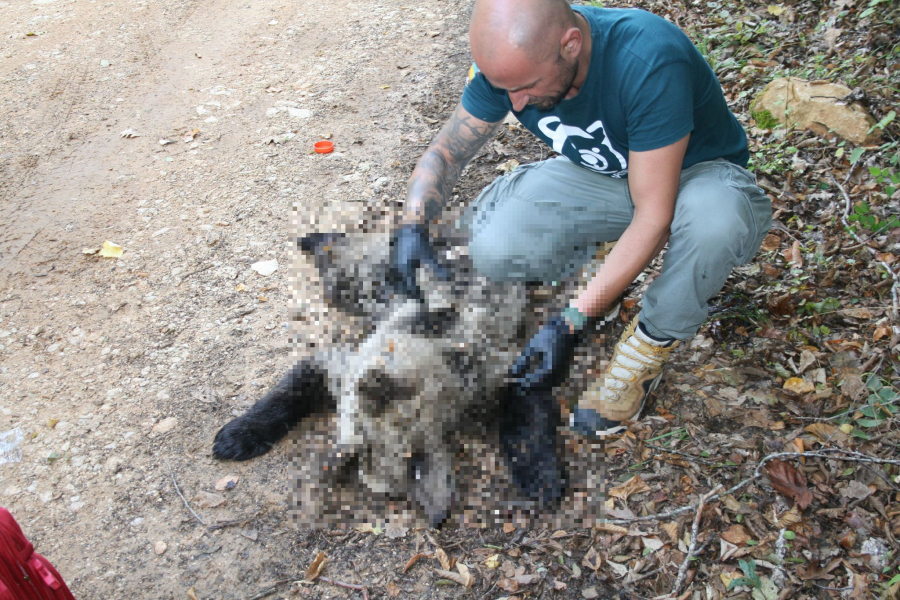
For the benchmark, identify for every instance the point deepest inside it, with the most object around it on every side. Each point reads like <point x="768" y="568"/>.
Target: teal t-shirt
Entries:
<point x="647" y="87"/>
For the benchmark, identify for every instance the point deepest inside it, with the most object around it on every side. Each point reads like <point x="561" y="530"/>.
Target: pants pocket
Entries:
<point x="758" y="206"/>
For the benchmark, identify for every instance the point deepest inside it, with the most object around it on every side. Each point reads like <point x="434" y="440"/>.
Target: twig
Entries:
<point x="200" y="270"/>
<point x="895" y="288"/>
<point x="269" y="590"/>
<point x="848" y="455"/>
<point x="224" y="524"/>
<point x="349" y="586"/>
<point x="695" y="531"/>
<point x="177" y="489"/>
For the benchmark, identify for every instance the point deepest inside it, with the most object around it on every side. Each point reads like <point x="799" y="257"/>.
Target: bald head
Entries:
<point x="527" y="28"/>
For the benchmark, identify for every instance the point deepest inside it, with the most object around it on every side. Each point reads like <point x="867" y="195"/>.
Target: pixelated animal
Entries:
<point x="423" y="371"/>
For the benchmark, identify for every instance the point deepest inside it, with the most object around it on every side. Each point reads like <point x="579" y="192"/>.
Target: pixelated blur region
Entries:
<point x="405" y="410"/>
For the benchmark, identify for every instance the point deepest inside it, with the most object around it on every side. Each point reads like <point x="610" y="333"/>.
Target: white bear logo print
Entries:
<point x="595" y="156"/>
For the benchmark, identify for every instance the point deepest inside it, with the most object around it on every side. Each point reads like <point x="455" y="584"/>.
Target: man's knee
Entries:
<point x="490" y="255"/>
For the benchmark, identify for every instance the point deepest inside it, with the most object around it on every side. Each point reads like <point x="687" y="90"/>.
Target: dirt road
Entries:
<point x="150" y="124"/>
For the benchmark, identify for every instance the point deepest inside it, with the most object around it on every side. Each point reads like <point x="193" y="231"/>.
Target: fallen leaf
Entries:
<point x="794" y="255"/>
<point x="508" y="585"/>
<point x="855" y="490"/>
<point x="463" y="577"/>
<point x="526" y="579"/>
<point x="509" y="166"/>
<point x="558" y="586"/>
<point x="590" y="593"/>
<point x="816" y="571"/>
<point x="798" y="385"/>
<point x="789" y="481"/>
<point x="789" y="518"/>
<point x="635" y="485"/>
<point x="90" y="251"/>
<point x="592" y="560"/>
<point x="608" y="528"/>
<point x="369" y="528"/>
<point x="229" y="482"/>
<point x="619" y="569"/>
<point x="826" y="432"/>
<point x="492" y="561"/>
<point x="771" y="242"/>
<point x="111" y="250"/>
<point x="393" y="590"/>
<point x="395" y="531"/>
<point x="416" y="558"/>
<point x="442" y="558"/>
<point x="508" y="527"/>
<point x="191" y="594"/>
<point x="316" y="567"/>
<point x="671" y="530"/>
<point x="775" y="9"/>
<point x="737" y="535"/>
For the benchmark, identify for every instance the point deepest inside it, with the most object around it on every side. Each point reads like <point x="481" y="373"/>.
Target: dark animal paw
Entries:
<point x="528" y="438"/>
<point x="237" y="441"/>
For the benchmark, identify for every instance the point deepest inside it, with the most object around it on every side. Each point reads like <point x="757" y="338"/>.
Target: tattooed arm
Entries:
<point x="439" y="167"/>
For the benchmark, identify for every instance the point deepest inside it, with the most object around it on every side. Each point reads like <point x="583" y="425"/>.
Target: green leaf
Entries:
<point x="887" y="394"/>
<point x="888" y="118"/>
<point x="893" y="580"/>
<point x="869" y="422"/>
<point x="789" y="535"/>
<point x="854" y="156"/>
<point x="874" y="384"/>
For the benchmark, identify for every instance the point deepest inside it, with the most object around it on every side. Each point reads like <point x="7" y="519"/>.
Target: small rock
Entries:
<point x="104" y="63"/>
<point x="299" y="113"/>
<point x="229" y="482"/>
<point x="265" y="267"/>
<point x="160" y="548"/>
<point x="208" y="500"/>
<point x="589" y="592"/>
<point x="166" y="425"/>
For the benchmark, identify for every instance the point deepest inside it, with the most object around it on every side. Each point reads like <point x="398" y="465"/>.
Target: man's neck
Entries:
<point x="584" y="57"/>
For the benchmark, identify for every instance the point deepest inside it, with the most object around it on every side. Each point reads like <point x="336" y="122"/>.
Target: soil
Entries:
<point x="183" y="131"/>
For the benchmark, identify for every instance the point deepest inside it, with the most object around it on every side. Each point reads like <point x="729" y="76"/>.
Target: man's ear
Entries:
<point x="570" y="43"/>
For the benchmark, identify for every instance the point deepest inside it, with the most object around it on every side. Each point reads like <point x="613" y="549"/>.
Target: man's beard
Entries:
<point x="565" y="79"/>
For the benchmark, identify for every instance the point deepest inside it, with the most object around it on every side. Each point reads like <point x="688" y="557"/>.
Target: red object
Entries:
<point x="25" y="574"/>
<point x="323" y="146"/>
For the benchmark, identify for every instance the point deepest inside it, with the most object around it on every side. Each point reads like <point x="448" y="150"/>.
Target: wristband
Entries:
<point x="575" y="317"/>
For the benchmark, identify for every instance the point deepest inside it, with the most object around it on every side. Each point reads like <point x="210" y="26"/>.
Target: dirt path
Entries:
<point x="179" y="333"/>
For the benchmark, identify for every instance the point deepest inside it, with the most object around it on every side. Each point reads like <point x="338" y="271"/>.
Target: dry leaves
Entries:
<point x="316" y="567"/>
<point x="463" y="577"/>
<point x="789" y="482"/>
<point x="635" y="485"/>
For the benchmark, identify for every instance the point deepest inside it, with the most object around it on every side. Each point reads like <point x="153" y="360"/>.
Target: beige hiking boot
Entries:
<point x="633" y="372"/>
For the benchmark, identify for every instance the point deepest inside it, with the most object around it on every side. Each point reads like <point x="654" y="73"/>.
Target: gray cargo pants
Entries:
<point x="544" y="221"/>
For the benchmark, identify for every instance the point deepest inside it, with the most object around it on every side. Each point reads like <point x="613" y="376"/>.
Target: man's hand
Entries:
<point x="410" y="247"/>
<point x="545" y="361"/>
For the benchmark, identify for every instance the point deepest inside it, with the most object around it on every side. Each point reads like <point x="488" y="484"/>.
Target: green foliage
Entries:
<point x="862" y="214"/>
<point x="750" y="578"/>
<point x="886" y="178"/>
<point x="880" y="406"/>
<point x="764" y="119"/>
<point x="595" y="3"/>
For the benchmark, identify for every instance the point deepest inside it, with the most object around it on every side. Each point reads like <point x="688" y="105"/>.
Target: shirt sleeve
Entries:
<point x="661" y="108"/>
<point x="483" y="101"/>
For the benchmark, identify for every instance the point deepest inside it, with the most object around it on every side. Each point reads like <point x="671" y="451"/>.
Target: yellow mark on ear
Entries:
<point x="390" y="345"/>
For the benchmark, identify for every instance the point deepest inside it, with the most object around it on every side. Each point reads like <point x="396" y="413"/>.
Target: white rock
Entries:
<point x="299" y="113"/>
<point x="166" y="425"/>
<point x="160" y="547"/>
<point x="265" y="267"/>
